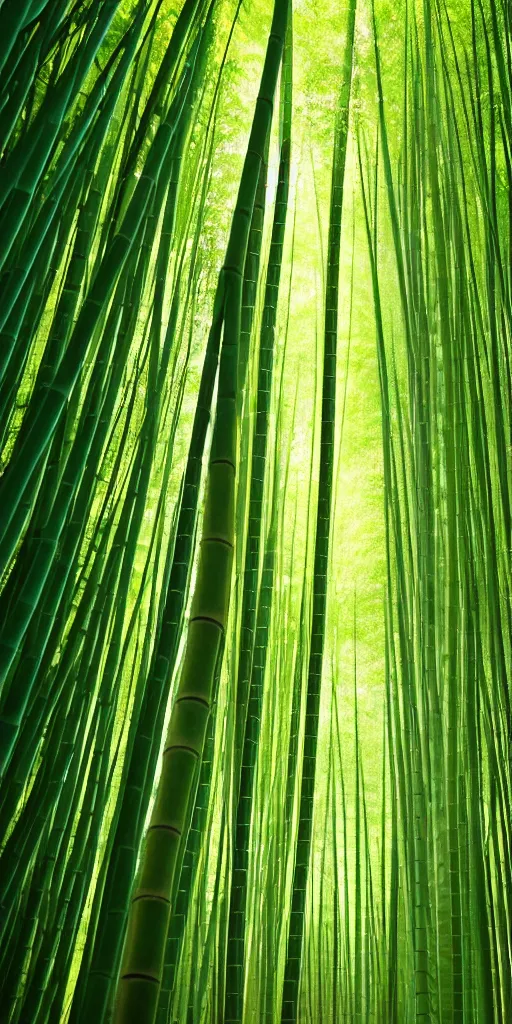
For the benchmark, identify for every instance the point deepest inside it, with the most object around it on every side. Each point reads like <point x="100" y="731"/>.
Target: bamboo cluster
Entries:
<point x="255" y="729"/>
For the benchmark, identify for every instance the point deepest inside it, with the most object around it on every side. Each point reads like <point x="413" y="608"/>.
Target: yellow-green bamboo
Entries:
<point x="141" y="973"/>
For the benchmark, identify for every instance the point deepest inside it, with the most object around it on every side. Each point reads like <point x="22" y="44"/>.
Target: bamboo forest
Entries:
<point x="256" y="512"/>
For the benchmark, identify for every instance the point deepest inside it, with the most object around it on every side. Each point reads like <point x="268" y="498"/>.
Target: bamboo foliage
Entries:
<point x="227" y="797"/>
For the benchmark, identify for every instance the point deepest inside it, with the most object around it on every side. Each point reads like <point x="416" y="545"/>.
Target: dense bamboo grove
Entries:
<point x="256" y="511"/>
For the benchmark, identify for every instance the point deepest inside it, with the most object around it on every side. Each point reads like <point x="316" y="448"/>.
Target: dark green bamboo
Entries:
<point x="247" y="682"/>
